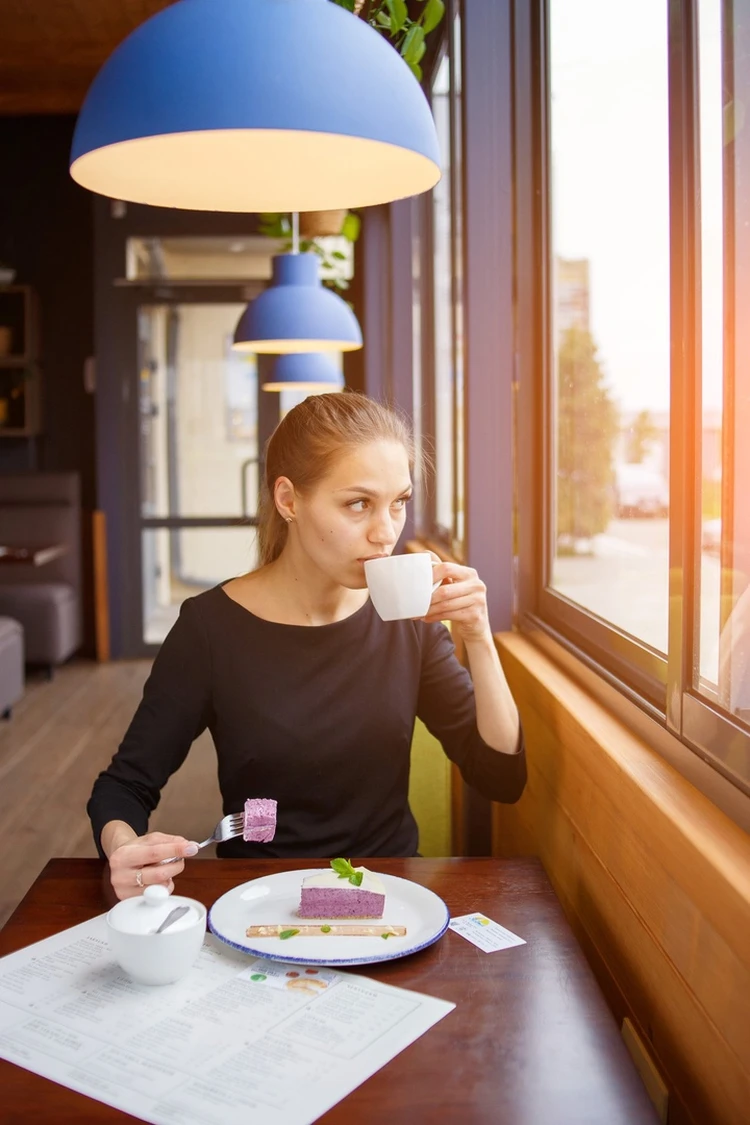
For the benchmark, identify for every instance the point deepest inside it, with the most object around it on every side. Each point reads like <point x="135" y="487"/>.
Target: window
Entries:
<point x="609" y="343"/>
<point x="632" y="202"/>
<point x="444" y="364"/>
<point x="722" y="670"/>
<point x="442" y="312"/>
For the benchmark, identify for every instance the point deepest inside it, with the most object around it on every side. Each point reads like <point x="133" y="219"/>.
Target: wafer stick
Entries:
<point x="325" y="929"/>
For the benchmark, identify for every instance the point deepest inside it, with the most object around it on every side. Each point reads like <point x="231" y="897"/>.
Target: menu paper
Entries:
<point x="234" y="1041"/>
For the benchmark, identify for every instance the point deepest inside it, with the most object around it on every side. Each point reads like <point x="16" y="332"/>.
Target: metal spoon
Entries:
<point x="171" y="917"/>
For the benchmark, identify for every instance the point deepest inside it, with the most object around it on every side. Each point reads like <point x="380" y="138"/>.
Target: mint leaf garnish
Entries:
<point x="287" y="934"/>
<point x="325" y="929"/>
<point x="386" y="935"/>
<point x="344" y="870"/>
<point x="342" y="867"/>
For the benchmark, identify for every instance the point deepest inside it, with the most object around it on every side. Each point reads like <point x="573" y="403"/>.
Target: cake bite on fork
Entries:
<point x="259" y="820"/>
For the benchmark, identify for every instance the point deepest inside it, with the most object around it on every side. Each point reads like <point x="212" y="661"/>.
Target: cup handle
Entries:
<point x="436" y="562"/>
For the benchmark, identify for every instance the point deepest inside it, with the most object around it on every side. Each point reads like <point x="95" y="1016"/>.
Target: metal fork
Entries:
<point x="233" y="824"/>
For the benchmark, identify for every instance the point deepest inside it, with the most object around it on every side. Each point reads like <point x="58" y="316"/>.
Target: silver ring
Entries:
<point x="139" y="878"/>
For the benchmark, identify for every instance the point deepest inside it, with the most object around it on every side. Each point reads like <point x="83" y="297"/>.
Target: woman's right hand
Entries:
<point x="134" y="864"/>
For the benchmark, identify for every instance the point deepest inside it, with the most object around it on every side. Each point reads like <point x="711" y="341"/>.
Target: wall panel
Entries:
<point x="652" y="875"/>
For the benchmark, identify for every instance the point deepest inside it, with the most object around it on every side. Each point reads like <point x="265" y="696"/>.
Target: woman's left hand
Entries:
<point x="461" y="598"/>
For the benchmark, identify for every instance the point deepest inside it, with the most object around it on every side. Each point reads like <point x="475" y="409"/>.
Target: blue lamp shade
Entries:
<point x="255" y="105"/>
<point x="304" y="371"/>
<point x="296" y="314"/>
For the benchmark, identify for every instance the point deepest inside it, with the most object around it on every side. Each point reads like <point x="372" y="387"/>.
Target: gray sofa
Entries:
<point x="42" y="509"/>
<point x="11" y="664"/>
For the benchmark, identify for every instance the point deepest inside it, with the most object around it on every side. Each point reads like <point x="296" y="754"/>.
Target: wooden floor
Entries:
<point x="60" y="736"/>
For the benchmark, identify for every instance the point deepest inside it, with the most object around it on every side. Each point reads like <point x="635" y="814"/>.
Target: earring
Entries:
<point x="289" y="519"/>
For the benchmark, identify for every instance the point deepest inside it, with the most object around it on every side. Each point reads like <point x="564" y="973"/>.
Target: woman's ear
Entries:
<point x="283" y="498"/>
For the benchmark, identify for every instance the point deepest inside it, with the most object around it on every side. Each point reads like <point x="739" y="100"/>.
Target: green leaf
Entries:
<point x="338" y="256"/>
<point x="351" y="226"/>
<point x="325" y="929"/>
<point x="399" y="14"/>
<point x="273" y="225"/>
<point x="411" y="44"/>
<point x="432" y="15"/>
<point x="416" y="70"/>
<point x="387" y="935"/>
<point x="287" y="934"/>
<point x="344" y="870"/>
<point x="342" y="867"/>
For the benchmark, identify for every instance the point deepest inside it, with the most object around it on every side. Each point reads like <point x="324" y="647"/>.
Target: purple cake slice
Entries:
<point x="260" y="820"/>
<point x="327" y="895"/>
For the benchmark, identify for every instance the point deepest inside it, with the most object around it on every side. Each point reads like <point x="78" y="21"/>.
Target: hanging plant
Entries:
<point x="275" y="225"/>
<point x="321" y="224"/>
<point x="391" y="18"/>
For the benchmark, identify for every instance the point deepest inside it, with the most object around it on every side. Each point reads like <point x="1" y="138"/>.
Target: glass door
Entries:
<point x="198" y="455"/>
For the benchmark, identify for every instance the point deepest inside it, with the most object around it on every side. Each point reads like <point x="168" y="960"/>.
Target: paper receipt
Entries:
<point x="484" y="933"/>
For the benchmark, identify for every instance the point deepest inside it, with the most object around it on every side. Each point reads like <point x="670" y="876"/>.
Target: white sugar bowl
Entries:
<point x="150" y="957"/>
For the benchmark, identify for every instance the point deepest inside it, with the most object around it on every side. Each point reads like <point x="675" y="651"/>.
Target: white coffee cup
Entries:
<point x="401" y="586"/>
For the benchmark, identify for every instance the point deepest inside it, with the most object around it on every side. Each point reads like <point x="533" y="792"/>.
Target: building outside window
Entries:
<point x="609" y="271"/>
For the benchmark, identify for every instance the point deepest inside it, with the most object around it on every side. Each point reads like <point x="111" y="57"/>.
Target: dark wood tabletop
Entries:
<point x="530" y="1042"/>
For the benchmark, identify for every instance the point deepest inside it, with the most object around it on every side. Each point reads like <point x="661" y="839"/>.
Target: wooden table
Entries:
<point x="531" y="1041"/>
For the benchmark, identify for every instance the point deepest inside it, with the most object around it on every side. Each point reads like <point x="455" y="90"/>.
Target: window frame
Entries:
<point x="660" y="687"/>
<point x="446" y="538"/>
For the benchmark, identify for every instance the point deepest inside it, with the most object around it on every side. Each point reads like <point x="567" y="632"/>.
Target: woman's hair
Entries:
<point x="306" y="443"/>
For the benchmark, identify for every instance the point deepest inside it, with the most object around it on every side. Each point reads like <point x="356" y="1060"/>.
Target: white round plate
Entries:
<point x="406" y="904"/>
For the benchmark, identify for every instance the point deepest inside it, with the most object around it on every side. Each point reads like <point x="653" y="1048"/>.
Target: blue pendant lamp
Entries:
<point x="304" y="371"/>
<point x="255" y="105"/>
<point x="296" y="313"/>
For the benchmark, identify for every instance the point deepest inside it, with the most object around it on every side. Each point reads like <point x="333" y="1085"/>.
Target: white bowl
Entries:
<point x="148" y="957"/>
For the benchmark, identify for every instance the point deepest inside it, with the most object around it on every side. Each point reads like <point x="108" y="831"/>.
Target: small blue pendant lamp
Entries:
<point x="255" y="105"/>
<point x="304" y="371"/>
<point x="296" y="313"/>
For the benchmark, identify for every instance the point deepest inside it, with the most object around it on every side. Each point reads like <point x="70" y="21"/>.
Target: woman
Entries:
<point x="310" y="698"/>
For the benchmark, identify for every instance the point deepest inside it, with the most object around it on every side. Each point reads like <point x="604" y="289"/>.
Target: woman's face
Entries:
<point x="356" y="512"/>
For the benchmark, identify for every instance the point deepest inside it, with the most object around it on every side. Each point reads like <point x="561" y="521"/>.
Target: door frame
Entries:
<point x="164" y="296"/>
<point x="116" y="303"/>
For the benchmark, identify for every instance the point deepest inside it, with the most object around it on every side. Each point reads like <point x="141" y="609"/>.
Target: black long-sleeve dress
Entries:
<point x="318" y="717"/>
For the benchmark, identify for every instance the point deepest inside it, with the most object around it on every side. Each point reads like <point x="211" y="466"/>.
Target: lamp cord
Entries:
<point x="295" y="232"/>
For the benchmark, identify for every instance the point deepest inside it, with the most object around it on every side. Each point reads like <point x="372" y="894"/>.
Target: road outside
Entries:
<point x="625" y="580"/>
